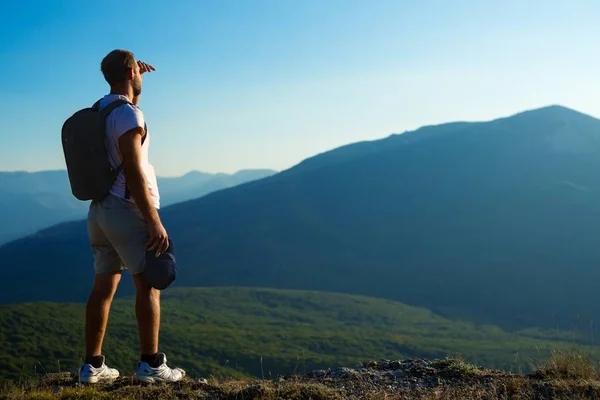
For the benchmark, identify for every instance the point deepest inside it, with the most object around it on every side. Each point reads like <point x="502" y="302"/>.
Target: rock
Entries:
<point x="434" y="381"/>
<point x="319" y="374"/>
<point x="341" y="373"/>
<point x="395" y="365"/>
<point x="399" y="374"/>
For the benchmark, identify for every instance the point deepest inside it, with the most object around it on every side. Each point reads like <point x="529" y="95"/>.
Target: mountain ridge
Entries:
<point x="469" y="223"/>
<point x="34" y="200"/>
<point x="188" y="173"/>
<point x="424" y="132"/>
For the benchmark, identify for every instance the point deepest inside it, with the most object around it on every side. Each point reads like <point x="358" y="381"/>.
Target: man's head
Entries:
<point x="120" y="68"/>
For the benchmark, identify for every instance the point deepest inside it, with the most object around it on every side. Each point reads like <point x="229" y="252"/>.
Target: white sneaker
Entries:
<point x="162" y="373"/>
<point x="89" y="374"/>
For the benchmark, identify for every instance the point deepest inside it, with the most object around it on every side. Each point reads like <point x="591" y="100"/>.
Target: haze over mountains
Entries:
<point x="495" y="222"/>
<point x="32" y="201"/>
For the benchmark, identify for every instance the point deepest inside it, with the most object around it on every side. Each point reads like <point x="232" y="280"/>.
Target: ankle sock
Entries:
<point x="95" y="361"/>
<point x="153" y="360"/>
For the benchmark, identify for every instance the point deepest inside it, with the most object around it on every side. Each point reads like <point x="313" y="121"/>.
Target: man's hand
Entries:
<point x="158" y="240"/>
<point x="145" y="67"/>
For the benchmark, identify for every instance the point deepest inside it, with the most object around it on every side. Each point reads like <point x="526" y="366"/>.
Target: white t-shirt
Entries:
<point x="121" y="120"/>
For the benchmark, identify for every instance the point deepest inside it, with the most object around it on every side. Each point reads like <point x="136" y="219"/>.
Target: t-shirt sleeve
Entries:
<point x="129" y="117"/>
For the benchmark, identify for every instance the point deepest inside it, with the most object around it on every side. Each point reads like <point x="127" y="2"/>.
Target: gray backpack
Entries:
<point x="84" y="145"/>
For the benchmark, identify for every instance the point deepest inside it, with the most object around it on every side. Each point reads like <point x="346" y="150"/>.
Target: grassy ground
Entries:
<point x="565" y="375"/>
<point x="243" y="332"/>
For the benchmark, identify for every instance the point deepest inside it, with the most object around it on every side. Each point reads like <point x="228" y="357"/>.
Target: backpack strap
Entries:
<point x="106" y="112"/>
<point x="110" y="107"/>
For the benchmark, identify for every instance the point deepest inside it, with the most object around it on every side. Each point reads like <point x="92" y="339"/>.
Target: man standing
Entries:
<point x="124" y="226"/>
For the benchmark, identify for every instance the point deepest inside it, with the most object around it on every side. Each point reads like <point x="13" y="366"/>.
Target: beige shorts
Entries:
<point x="118" y="233"/>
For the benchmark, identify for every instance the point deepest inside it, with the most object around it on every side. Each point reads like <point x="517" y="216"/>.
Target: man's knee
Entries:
<point x="142" y="285"/>
<point x="105" y="284"/>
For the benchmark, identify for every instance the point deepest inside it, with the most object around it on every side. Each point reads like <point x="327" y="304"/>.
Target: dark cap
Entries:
<point x="161" y="271"/>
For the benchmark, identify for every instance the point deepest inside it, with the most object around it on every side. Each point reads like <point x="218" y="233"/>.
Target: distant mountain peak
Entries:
<point x="551" y="111"/>
<point x="195" y="173"/>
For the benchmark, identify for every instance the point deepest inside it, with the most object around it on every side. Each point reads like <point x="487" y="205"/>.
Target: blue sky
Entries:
<point x="265" y="84"/>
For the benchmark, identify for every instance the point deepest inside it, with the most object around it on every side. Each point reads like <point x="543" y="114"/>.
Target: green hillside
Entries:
<point x="226" y="331"/>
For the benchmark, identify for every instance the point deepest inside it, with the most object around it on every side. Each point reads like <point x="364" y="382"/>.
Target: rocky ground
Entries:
<point x="569" y="378"/>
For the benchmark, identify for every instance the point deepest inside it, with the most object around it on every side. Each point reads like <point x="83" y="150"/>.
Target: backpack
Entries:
<point x="84" y="146"/>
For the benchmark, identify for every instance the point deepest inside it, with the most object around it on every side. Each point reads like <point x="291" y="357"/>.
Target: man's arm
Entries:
<point x="130" y="144"/>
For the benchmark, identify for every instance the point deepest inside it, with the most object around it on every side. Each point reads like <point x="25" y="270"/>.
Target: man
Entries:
<point x="124" y="226"/>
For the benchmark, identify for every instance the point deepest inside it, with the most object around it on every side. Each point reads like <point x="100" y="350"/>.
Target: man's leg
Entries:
<point x="107" y="266"/>
<point x="147" y="311"/>
<point x="97" y="311"/>
<point x="153" y="364"/>
<point x="124" y="225"/>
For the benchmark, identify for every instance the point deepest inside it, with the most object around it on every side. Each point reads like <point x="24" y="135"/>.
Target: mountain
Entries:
<point x="32" y="201"/>
<point x="494" y="222"/>
<point x="195" y="184"/>
<point x="239" y="331"/>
